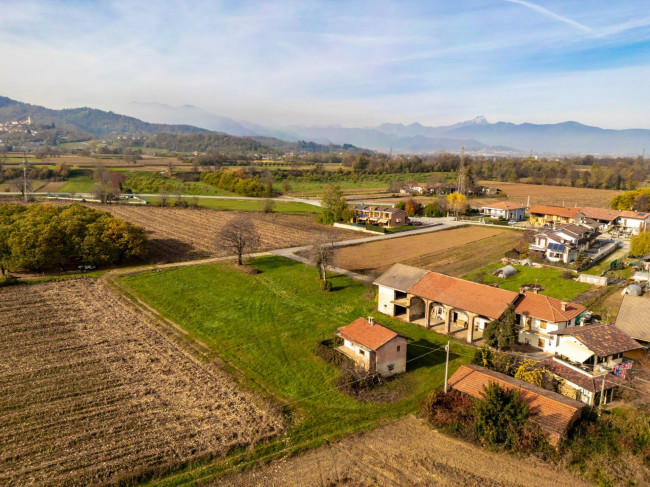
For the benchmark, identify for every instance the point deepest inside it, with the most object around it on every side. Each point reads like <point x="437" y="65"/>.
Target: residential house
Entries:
<point x="633" y="319"/>
<point x="416" y="188"/>
<point x="383" y="216"/>
<point x="593" y="351"/>
<point x="539" y="315"/>
<point x="430" y="299"/>
<point x="544" y="215"/>
<point x="504" y="209"/>
<point x="564" y="242"/>
<point x="374" y="347"/>
<point x="604" y="218"/>
<point x="553" y="412"/>
<point x="633" y="222"/>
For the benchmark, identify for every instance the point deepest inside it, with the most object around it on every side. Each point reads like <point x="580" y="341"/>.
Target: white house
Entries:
<point x="539" y="316"/>
<point x="504" y="209"/>
<point x="554" y="247"/>
<point x="633" y="222"/>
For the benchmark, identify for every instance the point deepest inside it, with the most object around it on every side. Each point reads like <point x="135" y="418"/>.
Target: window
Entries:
<point x="391" y="367"/>
<point x="398" y="347"/>
<point x="362" y="352"/>
<point x="541" y="343"/>
<point x="542" y="324"/>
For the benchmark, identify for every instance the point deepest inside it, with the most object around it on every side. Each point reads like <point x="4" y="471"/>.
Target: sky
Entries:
<point x="326" y="62"/>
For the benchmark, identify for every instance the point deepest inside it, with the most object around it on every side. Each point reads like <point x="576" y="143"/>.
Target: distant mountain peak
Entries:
<point x="479" y="120"/>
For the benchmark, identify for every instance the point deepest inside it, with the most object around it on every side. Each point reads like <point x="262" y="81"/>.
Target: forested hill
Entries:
<point x="88" y="121"/>
<point x="220" y="142"/>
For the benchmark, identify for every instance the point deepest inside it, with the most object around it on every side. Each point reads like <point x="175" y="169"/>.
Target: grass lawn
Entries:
<point x="549" y="278"/>
<point x="267" y="326"/>
<point x="603" y="264"/>
<point x="78" y="184"/>
<point x="235" y="204"/>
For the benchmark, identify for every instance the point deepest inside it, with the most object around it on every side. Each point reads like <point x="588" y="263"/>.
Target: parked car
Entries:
<point x="417" y="224"/>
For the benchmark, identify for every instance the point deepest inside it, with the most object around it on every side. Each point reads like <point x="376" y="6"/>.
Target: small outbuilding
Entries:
<point x="505" y="272"/>
<point x="633" y="290"/>
<point x="374" y="347"/>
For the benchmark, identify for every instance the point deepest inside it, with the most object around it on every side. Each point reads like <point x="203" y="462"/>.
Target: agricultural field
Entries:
<point x="235" y="204"/>
<point x="266" y="326"/>
<point x="456" y="251"/>
<point x="550" y="195"/>
<point x="93" y="394"/>
<point x="550" y="278"/>
<point x="379" y="457"/>
<point x="183" y="234"/>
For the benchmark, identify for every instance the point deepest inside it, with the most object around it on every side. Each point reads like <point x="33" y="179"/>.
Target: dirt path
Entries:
<point x="404" y="452"/>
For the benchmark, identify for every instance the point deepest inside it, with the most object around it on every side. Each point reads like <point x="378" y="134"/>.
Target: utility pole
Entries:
<point x="461" y="171"/>
<point x="447" y="366"/>
<point x="602" y="396"/>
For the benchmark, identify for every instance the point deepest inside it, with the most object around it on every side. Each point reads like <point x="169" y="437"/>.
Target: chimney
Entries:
<point x="371" y="320"/>
<point x="563" y="305"/>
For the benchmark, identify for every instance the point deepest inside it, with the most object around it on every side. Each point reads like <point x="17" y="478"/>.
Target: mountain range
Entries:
<point x="476" y="135"/>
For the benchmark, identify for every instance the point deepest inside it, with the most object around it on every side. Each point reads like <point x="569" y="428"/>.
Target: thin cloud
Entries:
<point x="553" y="15"/>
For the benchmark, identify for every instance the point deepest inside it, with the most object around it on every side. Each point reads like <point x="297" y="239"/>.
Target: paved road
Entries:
<point x="154" y="195"/>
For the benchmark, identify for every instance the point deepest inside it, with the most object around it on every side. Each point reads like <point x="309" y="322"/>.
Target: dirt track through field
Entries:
<point x="178" y="234"/>
<point x="425" y="250"/>
<point x="406" y="452"/>
<point x="92" y="394"/>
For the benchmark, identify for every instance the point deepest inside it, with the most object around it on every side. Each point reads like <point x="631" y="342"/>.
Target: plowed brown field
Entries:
<point x="92" y="394"/>
<point x="183" y="234"/>
<point x="403" y="453"/>
<point x="456" y="251"/>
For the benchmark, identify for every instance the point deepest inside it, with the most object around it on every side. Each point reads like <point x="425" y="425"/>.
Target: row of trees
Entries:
<point x="638" y="200"/>
<point x="41" y="237"/>
<point x="454" y="203"/>
<point x="237" y="181"/>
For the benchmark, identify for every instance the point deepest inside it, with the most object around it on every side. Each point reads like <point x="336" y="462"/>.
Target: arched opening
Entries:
<point x="416" y="309"/>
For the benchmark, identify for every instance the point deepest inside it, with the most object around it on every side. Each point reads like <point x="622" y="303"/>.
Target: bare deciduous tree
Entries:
<point x="322" y="255"/>
<point x="239" y="237"/>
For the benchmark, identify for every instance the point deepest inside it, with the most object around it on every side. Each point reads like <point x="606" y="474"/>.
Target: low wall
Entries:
<point x="356" y="228"/>
<point x="593" y="280"/>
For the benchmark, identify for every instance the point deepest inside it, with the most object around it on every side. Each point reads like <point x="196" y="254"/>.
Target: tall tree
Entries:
<point x="322" y="255"/>
<point x="239" y="236"/>
<point x="335" y="207"/>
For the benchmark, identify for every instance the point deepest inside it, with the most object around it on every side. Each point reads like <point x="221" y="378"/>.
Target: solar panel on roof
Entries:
<point x="556" y="247"/>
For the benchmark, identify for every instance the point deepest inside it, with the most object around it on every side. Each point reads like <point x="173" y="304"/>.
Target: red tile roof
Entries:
<point x="561" y="211"/>
<point x="547" y="308"/>
<point x="505" y="205"/>
<point x="372" y="336"/>
<point x="636" y="215"/>
<point x="465" y="295"/>
<point x="600" y="213"/>
<point x="553" y="412"/>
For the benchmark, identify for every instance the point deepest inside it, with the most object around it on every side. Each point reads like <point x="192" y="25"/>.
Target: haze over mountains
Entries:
<point x="477" y="135"/>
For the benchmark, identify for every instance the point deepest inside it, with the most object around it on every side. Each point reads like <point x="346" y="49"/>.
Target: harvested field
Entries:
<point x="178" y="234"/>
<point x="50" y="187"/>
<point x="404" y="452"/>
<point x="456" y="251"/>
<point x="92" y="394"/>
<point x="550" y="195"/>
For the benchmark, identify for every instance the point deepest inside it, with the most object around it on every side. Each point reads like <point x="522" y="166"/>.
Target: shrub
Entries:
<point x="355" y="381"/>
<point x="567" y="275"/>
<point x="451" y="409"/>
<point x="325" y="350"/>
<point x="500" y="415"/>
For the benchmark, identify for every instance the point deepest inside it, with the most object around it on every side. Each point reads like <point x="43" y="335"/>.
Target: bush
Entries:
<point x="568" y="275"/>
<point x="355" y="381"/>
<point x="325" y="350"/>
<point x="449" y="410"/>
<point x="500" y="415"/>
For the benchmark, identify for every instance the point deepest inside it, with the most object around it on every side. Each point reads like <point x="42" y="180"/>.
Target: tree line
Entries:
<point x="42" y="237"/>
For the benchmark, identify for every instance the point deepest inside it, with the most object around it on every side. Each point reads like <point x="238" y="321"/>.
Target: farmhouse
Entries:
<point x="384" y="216"/>
<point x="431" y="299"/>
<point x="604" y="218"/>
<point x="553" y="412"/>
<point x="504" y="209"/>
<point x="630" y="222"/>
<point x="374" y="347"/>
<point x="633" y="222"/>
<point x="587" y="355"/>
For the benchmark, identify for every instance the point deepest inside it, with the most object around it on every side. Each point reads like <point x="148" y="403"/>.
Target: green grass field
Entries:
<point x="234" y="204"/>
<point x="549" y="278"/>
<point x="78" y="184"/>
<point x="267" y="326"/>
